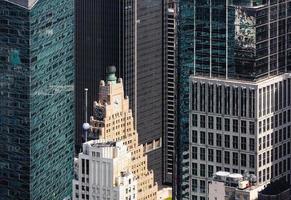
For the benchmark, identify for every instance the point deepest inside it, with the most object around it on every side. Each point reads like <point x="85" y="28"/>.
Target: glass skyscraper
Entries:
<point x="228" y="40"/>
<point x="36" y="99"/>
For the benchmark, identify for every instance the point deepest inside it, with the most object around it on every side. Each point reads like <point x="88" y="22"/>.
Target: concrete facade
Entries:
<point x="102" y="171"/>
<point x="239" y="126"/>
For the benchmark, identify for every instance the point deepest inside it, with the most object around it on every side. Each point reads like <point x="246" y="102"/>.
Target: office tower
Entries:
<point x="105" y="35"/>
<point x="151" y="16"/>
<point x="36" y="99"/>
<point x="102" y="171"/>
<point x="170" y="97"/>
<point x="244" y="44"/>
<point x="239" y="126"/>
<point x="113" y="120"/>
<point x="131" y="36"/>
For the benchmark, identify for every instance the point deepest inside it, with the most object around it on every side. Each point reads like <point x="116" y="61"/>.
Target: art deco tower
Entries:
<point x="113" y="121"/>
<point x="36" y="99"/>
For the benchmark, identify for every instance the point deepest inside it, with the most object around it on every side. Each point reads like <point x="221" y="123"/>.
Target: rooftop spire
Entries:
<point x="111" y="78"/>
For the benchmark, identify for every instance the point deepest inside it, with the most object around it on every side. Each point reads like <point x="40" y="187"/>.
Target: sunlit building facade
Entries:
<point x="113" y="120"/>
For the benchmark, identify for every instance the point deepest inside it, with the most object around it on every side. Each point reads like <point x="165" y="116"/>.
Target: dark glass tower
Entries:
<point x="105" y="35"/>
<point x="243" y="40"/>
<point x="150" y="80"/>
<point x="130" y="35"/>
<point x="36" y="99"/>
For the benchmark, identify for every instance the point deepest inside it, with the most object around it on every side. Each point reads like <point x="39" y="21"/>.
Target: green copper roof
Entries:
<point x="111" y="78"/>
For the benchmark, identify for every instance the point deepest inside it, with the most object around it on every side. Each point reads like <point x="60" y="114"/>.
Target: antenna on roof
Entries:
<point x="86" y="125"/>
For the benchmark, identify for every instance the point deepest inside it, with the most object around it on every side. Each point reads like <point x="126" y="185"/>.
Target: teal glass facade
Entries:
<point x="36" y="100"/>
<point x="235" y="39"/>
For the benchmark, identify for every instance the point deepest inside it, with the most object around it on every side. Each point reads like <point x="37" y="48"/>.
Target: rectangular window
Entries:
<point x="226" y="124"/>
<point x="83" y="166"/>
<point x="260" y="127"/>
<point x="252" y="161"/>
<point x="202" y="154"/>
<point x="194" y="169"/>
<point x="276" y="121"/>
<point x="194" y="185"/>
<point x="194" y="136"/>
<point x="210" y="98"/>
<point x="243" y="102"/>
<point x="202" y="137"/>
<point x="194" y="120"/>
<point x="243" y="160"/>
<point x="194" y="152"/>
<point x="202" y="186"/>
<point x="235" y="101"/>
<point x="252" y="128"/>
<point x="202" y="170"/>
<point x="210" y="155"/>
<point x="210" y="170"/>
<point x="235" y="158"/>
<point x="210" y="138"/>
<point x="243" y="143"/>
<point x="227" y="100"/>
<point x="252" y="144"/>
<point x="202" y="97"/>
<point x="210" y="122"/>
<point x="202" y="121"/>
<point x="243" y="126"/>
<point x="227" y="141"/>
<point x="218" y="156"/>
<point x="252" y="103"/>
<point x="218" y="99"/>
<point x="227" y="157"/>
<point x="87" y="166"/>
<point x="235" y="142"/>
<point x="218" y="139"/>
<point x="218" y="123"/>
<point x="194" y="96"/>
<point x="235" y="125"/>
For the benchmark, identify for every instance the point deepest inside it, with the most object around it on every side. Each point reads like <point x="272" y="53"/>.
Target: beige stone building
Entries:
<point x="113" y="120"/>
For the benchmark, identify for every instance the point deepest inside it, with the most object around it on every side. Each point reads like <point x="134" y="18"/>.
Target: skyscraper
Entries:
<point x="245" y="46"/>
<point x="36" y="99"/>
<point x="131" y="36"/>
<point x="113" y="121"/>
<point x="105" y="35"/>
<point x="151" y="79"/>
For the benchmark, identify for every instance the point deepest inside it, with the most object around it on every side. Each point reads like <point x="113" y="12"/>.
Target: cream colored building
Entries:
<point x="113" y="121"/>
<point x="102" y="172"/>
